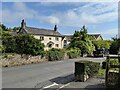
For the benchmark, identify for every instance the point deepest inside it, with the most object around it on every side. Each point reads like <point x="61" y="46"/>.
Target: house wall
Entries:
<point x="47" y="39"/>
<point x="99" y="38"/>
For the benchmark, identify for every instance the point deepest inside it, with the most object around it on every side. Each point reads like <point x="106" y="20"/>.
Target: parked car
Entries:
<point x="100" y="52"/>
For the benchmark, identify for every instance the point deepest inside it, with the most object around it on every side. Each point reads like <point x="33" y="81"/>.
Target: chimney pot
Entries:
<point x="55" y="28"/>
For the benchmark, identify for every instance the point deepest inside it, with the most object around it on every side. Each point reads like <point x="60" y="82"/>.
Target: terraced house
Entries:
<point x="50" y="38"/>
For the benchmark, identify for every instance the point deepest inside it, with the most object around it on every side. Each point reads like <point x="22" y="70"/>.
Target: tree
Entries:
<point x="82" y="41"/>
<point x="16" y="28"/>
<point x="27" y="44"/>
<point x="99" y="44"/>
<point x="115" y="46"/>
<point x="4" y="28"/>
<point x="8" y="42"/>
<point x="23" y="44"/>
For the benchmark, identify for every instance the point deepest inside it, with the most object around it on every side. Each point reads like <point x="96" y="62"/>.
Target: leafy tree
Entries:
<point x="16" y="28"/>
<point x="22" y="44"/>
<point x="8" y="42"/>
<point x="99" y="44"/>
<point x="115" y="46"/>
<point x="4" y="28"/>
<point x="82" y="41"/>
<point x="27" y="44"/>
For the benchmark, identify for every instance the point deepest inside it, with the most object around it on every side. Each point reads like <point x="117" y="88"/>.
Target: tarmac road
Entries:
<point x="27" y="76"/>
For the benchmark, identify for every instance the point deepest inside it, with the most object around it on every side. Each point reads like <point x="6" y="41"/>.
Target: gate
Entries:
<point x="112" y="77"/>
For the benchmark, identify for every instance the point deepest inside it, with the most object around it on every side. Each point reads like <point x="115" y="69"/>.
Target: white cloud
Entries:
<point x="89" y="13"/>
<point x="113" y="32"/>
<point x="18" y="11"/>
<point x="50" y="19"/>
<point x="108" y="33"/>
<point x="60" y="0"/>
<point x="98" y="12"/>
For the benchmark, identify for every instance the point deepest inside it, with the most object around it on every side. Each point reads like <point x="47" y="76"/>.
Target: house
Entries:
<point x="51" y="38"/>
<point x="68" y="38"/>
<point x="96" y="36"/>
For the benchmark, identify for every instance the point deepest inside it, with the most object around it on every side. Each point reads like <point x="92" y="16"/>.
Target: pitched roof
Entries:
<point x="41" y="31"/>
<point x="96" y="35"/>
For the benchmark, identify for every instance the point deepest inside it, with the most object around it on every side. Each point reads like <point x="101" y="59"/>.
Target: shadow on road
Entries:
<point x="58" y="80"/>
<point x="64" y="79"/>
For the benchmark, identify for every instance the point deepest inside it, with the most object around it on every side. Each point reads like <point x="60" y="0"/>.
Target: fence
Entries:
<point x="112" y="78"/>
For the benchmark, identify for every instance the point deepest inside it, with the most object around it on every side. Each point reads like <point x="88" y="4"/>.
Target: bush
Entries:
<point x="112" y="62"/>
<point x="74" y="53"/>
<point x="55" y="54"/>
<point x="86" y="69"/>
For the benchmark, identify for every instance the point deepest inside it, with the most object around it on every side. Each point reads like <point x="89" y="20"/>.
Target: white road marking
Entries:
<point x="51" y="85"/>
<point x="64" y="85"/>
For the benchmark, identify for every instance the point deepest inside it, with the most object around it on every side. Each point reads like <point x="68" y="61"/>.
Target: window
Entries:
<point x="56" y="38"/>
<point x="41" y="38"/>
<point x="65" y="41"/>
<point x="57" y="45"/>
<point x="50" y="45"/>
<point x="50" y="38"/>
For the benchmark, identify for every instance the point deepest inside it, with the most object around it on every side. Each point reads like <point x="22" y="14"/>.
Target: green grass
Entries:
<point x="101" y="72"/>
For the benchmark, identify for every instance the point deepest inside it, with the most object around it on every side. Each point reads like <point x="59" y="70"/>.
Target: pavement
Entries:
<point x="35" y="75"/>
<point x="69" y="82"/>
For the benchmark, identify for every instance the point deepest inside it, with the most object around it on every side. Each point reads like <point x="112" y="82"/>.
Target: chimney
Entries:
<point x="23" y="24"/>
<point x="55" y="28"/>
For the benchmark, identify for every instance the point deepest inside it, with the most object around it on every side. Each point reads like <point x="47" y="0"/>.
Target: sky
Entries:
<point x="98" y="17"/>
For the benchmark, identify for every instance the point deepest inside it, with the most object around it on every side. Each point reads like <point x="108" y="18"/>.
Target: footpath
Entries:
<point x="68" y="81"/>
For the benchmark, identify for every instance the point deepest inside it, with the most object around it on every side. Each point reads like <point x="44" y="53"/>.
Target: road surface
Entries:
<point x="28" y="76"/>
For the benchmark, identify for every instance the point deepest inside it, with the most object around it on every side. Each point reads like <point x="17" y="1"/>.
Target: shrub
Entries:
<point x="112" y="62"/>
<point x="86" y="69"/>
<point x="55" y="54"/>
<point x="74" y="52"/>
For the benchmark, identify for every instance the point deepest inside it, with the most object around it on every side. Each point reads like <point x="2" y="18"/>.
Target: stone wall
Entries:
<point x="17" y="60"/>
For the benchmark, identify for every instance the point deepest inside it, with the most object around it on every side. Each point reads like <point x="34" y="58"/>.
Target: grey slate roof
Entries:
<point x="41" y="31"/>
<point x="96" y="35"/>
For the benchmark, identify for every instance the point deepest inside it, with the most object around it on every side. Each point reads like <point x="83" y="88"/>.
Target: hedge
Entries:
<point x="73" y="53"/>
<point x="86" y="69"/>
<point x="112" y="63"/>
<point x="55" y="54"/>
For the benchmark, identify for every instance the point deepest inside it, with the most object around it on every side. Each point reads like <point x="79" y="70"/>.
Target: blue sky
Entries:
<point x="99" y="17"/>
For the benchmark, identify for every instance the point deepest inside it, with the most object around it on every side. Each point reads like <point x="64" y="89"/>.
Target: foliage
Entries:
<point x="55" y="54"/>
<point x="115" y="46"/>
<point x="112" y="62"/>
<point x="82" y="41"/>
<point x="23" y="44"/>
<point x="86" y="68"/>
<point x="99" y="44"/>
<point x="16" y="28"/>
<point x="27" y="44"/>
<point x="4" y="28"/>
<point x="8" y="42"/>
<point x="73" y="52"/>
<point x="101" y="72"/>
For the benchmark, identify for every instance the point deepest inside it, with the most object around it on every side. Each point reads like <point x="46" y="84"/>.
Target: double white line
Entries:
<point x="56" y="85"/>
<point x="51" y="85"/>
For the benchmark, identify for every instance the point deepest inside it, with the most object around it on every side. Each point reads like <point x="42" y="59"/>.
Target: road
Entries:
<point x="28" y="76"/>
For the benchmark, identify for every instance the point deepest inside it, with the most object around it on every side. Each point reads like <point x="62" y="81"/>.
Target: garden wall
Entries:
<point x="85" y="70"/>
